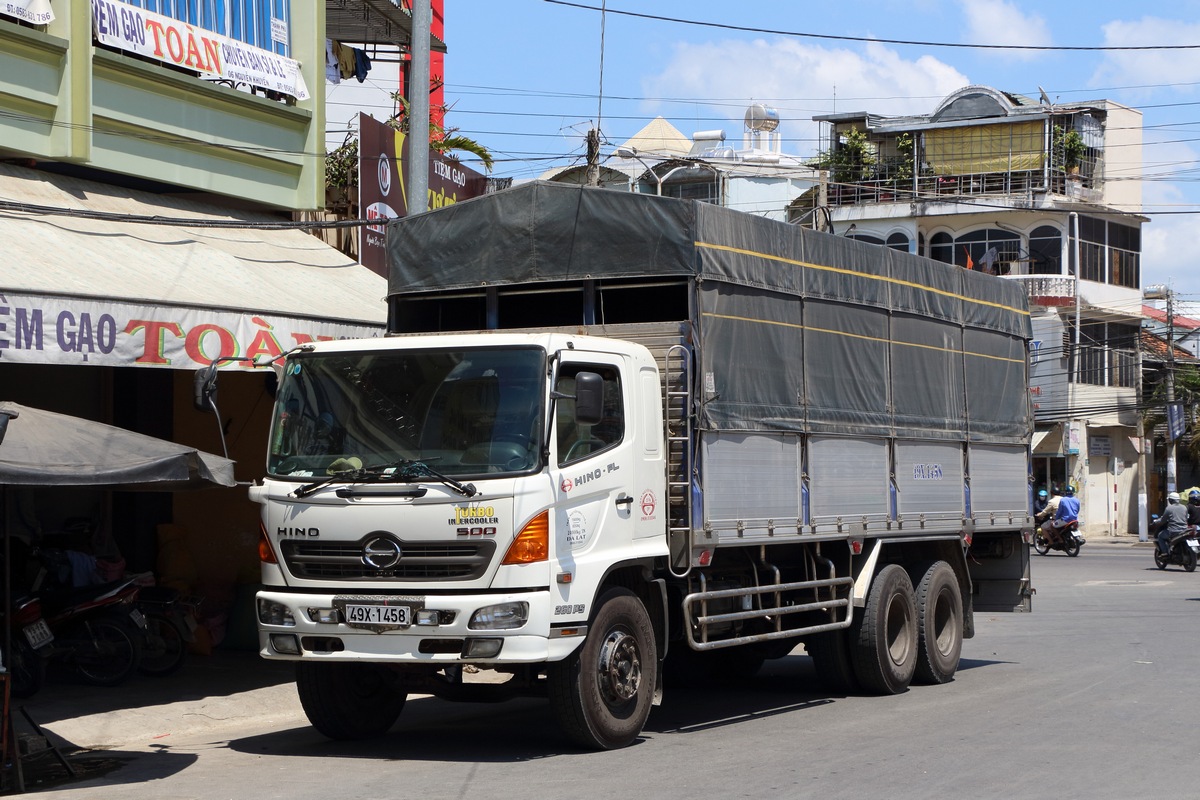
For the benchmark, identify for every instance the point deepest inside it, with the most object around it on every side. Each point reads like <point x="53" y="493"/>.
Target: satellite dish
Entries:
<point x="760" y="117"/>
<point x="1045" y="97"/>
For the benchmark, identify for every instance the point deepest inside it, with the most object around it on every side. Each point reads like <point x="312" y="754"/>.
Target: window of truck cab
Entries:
<point x="476" y="412"/>
<point x="577" y="442"/>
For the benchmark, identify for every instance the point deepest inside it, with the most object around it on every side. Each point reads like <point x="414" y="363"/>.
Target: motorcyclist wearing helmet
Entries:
<point x="1193" y="507"/>
<point x="1174" y="520"/>
<point x="1066" y="513"/>
<point x="1039" y="502"/>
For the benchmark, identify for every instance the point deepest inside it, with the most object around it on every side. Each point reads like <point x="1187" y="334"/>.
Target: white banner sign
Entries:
<point x="63" y="330"/>
<point x="36" y="12"/>
<point x="214" y="56"/>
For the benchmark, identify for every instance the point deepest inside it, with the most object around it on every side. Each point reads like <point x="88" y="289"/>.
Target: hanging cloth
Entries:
<point x="362" y="65"/>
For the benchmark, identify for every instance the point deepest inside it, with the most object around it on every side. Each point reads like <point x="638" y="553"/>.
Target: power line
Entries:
<point x="877" y="40"/>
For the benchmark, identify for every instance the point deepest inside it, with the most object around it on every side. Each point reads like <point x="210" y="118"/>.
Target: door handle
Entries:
<point x="627" y="500"/>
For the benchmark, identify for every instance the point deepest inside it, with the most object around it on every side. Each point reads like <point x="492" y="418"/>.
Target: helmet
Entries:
<point x="1194" y="494"/>
<point x="1069" y="490"/>
<point x="1041" y="492"/>
<point x="1173" y="497"/>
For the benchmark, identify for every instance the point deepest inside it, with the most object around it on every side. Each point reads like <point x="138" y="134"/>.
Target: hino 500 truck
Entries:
<point x="611" y="432"/>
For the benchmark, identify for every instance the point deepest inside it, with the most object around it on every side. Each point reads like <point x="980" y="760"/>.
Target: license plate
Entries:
<point x="38" y="634"/>
<point x="138" y="618"/>
<point x="399" y="616"/>
<point x="1194" y="544"/>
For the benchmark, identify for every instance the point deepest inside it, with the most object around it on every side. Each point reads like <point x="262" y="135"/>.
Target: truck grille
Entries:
<point x="420" y="561"/>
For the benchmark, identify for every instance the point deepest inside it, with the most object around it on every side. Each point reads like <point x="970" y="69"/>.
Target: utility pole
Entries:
<point x="593" y="157"/>
<point x="418" y="107"/>
<point x="1164" y="293"/>
<point x="1172" y="485"/>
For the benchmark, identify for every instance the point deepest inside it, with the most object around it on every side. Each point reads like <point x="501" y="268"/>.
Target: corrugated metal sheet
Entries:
<point x="287" y="272"/>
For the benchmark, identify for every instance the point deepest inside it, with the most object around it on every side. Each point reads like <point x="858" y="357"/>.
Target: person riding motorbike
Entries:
<point x="1174" y="520"/>
<point x="1193" y="507"/>
<point x="1065" y="513"/>
<point x="1050" y="508"/>
<point x="1039" y="502"/>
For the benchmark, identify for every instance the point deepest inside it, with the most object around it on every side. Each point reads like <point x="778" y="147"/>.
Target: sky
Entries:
<point x="529" y="78"/>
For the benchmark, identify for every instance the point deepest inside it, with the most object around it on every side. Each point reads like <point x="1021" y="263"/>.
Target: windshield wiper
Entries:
<point x="405" y="470"/>
<point x="418" y="469"/>
<point x="351" y="474"/>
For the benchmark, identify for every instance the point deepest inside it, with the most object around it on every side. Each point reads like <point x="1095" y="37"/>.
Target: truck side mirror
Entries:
<point x="589" y="398"/>
<point x="204" y="389"/>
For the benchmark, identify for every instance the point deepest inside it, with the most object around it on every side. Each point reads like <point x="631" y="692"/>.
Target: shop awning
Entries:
<point x="1048" y="442"/>
<point x="91" y="286"/>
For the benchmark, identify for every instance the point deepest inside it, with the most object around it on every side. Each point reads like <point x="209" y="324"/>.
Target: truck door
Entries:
<point x="596" y="466"/>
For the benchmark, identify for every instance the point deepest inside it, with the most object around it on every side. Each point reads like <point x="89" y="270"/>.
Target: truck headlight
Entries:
<point x="500" y="617"/>
<point x="272" y="613"/>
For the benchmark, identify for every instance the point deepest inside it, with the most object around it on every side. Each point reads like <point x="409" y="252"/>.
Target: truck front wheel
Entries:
<point x="602" y="693"/>
<point x="345" y="700"/>
<point x="884" y="636"/>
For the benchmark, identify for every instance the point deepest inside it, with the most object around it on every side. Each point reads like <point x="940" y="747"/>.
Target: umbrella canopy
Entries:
<point x="42" y="448"/>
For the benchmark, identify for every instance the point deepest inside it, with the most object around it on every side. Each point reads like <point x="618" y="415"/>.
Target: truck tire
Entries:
<point x="830" y="653"/>
<point x="884" y="637"/>
<point x="349" y="700"/>
<point x="602" y="693"/>
<point x="939" y="624"/>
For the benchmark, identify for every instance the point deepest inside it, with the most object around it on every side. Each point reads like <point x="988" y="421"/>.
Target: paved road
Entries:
<point x="1093" y="695"/>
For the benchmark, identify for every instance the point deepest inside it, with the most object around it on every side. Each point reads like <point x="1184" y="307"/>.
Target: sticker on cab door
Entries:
<point x="577" y="530"/>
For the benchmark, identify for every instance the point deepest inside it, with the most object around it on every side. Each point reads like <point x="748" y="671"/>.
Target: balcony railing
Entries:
<point x="1046" y="290"/>
<point x="884" y="189"/>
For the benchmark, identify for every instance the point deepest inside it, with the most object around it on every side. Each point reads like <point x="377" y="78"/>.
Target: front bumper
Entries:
<point x="436" y="644"/>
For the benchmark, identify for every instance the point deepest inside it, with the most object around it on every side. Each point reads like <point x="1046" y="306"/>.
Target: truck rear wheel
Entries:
<point x="346" y="700"/>
<point x="940" y="624"/>
<point x="602" y="693"/>
<point x="884" y="636"/>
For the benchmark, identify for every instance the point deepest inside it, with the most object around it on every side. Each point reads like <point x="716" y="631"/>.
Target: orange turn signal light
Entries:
<point x="266" y="553"/>
<point x="532" y="543"/>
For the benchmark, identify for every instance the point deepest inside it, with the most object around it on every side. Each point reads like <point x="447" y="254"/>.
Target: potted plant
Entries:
<point x="1069" y="149"/>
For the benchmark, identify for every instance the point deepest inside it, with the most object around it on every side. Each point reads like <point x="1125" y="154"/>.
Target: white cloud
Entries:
<point x="1001" y="22"/>
<point x="1149" y="67"/>
<point x="801" y="80"/>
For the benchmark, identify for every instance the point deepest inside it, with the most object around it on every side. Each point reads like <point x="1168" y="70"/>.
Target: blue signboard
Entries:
<point x="1174" y="420"/>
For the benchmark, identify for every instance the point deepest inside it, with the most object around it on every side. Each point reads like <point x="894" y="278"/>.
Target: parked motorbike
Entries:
<point x="1183" y="550"/>
<point x="170" y="625"/>
<point x="97" y="629"/>
<point x="30" y="636"/>
<point x="1069" y="540"/>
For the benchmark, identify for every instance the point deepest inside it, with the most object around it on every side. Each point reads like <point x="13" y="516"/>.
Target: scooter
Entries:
<point x="1069" y="540"/>
<point x="1183" y="549"/>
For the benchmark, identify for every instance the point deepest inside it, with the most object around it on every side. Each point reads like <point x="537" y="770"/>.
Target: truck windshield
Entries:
<point x="476" y="412"/>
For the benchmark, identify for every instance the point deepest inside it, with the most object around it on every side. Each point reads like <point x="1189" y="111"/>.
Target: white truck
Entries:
<point x="611" y="430"/>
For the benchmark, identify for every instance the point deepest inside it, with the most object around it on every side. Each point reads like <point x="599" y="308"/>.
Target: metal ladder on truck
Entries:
<point x="677" y="419"/>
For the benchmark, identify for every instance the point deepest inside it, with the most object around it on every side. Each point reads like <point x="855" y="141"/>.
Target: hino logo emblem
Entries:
<point x="381" y="553"/>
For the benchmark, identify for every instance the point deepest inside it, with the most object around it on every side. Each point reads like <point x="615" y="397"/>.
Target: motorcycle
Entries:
<point x="97" y="629"/>
<point x="1069" y="540"/>
<point x="170" y="625"/>
<point x="1183" y="549"/>
<point x="29" y="636"/>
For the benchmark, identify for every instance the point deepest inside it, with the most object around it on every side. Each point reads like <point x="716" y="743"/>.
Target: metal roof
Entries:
<point x="372" y="22"/>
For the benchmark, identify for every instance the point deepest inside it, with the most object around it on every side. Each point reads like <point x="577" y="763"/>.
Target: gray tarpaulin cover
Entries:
<point x="42" y="448"/>
<point x="799" y="330"/>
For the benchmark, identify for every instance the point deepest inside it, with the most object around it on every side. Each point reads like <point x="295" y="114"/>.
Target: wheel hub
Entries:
<point x="620" y="667"/>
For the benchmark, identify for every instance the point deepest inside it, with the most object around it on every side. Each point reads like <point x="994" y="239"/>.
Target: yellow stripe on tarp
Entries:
<point x="861" y="336"/>
<point x="843" y="271"/>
